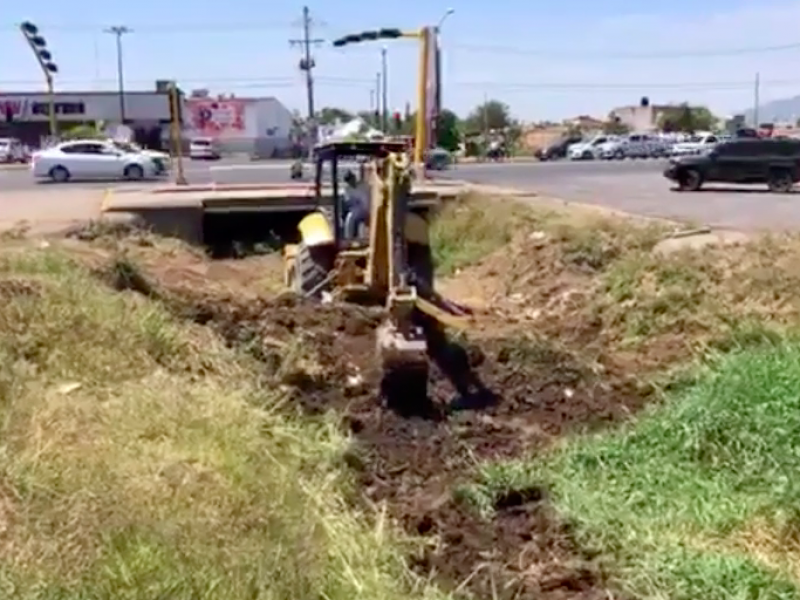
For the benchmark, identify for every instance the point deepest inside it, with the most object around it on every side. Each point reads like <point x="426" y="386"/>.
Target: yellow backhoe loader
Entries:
<point x="387" y="263"/>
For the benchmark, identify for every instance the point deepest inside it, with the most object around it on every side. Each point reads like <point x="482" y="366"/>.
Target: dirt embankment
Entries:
<point x="323" y="357"/>
<point x="569" y="309"/>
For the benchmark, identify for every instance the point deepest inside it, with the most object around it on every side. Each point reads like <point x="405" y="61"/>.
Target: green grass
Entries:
<point x="700" y="497"/>
<point x="468" y="230"/>
<point x="140" y="459"/>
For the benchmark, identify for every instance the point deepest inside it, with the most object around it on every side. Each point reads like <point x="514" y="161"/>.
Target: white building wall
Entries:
<point x="273" y="127"/>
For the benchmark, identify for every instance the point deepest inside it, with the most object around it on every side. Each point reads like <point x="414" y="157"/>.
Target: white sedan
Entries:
<point x="161" y="159"/>
<point x="91" y="159"/>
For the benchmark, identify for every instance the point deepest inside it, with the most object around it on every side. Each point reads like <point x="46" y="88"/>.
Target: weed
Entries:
<point x="696" y="499"/>
<point x="467" y="230"/>
<point x="139" y="459"/>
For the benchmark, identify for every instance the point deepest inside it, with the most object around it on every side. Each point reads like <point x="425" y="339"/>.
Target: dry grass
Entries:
<point x="695" y="498"/>
<point x="139" y="460"/>
<point x="595" y="281"/>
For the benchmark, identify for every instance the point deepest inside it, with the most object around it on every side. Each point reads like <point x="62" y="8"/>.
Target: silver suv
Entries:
<point x="636" y="145"/>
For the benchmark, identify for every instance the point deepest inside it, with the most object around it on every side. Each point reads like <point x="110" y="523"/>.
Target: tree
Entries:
<point x="492" y="114"/>
<point x="82" y="132"/>
<point x="331" y="115"/>
<point x="615" y="127"/>
<point x="448" y="135"/>
<point x="448" y="129"/>
<point x="687" y="119"/>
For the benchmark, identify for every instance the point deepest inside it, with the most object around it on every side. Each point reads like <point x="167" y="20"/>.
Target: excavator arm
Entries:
<point x="417" y="315"/>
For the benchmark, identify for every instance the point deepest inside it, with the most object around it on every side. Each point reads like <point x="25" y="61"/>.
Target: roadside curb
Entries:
<point x="680" y="227"/>
<point x="105" y="203"/>
<point x="475" y="161"/>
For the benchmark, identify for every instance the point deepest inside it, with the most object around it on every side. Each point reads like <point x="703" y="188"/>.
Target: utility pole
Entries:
<point x="307" y="64"/>
<point x="119" y="31"/>
<point x="385" y="91"/>
<point x="378" y="101"/>
<point x="485" y="114"/>
<point x="756" y="100"/>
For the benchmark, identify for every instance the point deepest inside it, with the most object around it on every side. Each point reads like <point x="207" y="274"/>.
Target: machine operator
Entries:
<point x="357" y="205"/>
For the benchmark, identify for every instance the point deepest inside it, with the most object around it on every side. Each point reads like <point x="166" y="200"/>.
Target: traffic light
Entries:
<point x="369" y="36"/>
<point x="39" y="46"/>
<point x="398" y="120"/>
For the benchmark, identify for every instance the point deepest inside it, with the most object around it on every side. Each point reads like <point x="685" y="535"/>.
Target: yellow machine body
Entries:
<point x="391" y="268"/>
<point x="316" y="230"/>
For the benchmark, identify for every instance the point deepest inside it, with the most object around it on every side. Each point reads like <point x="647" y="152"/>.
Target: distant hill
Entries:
<point x="787" y="109"/>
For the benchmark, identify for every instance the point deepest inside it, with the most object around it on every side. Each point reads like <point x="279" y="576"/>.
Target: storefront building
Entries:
<point x="257" y="126"/>
<point x="26" y="116"/>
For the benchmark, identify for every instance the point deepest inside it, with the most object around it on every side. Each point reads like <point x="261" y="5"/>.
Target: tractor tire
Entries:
<point x="310" y="270"/>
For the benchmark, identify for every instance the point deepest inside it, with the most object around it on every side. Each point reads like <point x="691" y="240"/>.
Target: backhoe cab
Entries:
<point x="386" y="263"/>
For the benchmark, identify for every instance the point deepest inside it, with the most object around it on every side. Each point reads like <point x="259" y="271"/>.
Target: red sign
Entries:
<point x="14" y="108"/>
<point x="216" y="118"/>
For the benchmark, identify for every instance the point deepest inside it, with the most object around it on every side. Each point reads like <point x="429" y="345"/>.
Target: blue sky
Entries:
<point x="547" y="60"/>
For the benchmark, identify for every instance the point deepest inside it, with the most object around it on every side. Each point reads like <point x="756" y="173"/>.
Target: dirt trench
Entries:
<point x="324" y="356"/>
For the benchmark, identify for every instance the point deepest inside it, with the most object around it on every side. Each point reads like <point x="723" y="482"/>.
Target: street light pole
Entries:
<point x="438" y="71"/>
<point x="425" y="36"/>
<point x="378" y="101"/>
<point x="384" y="91"/>
<point x="119" y="31"/>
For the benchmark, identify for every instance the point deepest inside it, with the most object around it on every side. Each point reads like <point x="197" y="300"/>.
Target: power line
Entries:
<point x="235" y="27"/>
<point x="201" y="81"/>
<point x="511" y="86"/>
<point x="592" y="55"/>
<point x="167" y="29"/>
<point x="595" y="86"/>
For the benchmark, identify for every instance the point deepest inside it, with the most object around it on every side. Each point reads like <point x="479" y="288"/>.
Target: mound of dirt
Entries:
<point x="325" y="357"/>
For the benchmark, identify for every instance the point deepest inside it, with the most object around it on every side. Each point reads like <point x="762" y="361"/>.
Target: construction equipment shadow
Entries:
<point x="406" y="392"/>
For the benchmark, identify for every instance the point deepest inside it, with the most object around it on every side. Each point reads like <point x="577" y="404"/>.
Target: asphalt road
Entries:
<point x="638" y="187"/>
<point x="634" y="186"/>
<point x="511" y="174"/>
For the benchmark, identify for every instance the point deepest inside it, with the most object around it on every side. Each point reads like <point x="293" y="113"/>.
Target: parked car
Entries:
<point x="204" y="149"/>
<point x="12" y="151"/>
<point x="590" y="149"/>
<point x="635" y="145"/>
<point x="162" y="160"/>
<point x="90" y="159"/>
<point x="437" y="159"/>
<point x="558" y="149"/>
<point x="696" y="144"/>
<point x="775" y="162"/>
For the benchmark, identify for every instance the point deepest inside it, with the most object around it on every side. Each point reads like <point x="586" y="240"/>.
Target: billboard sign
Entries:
<point x="216" y="118"/>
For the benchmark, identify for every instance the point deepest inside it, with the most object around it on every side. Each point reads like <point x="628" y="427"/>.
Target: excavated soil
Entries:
<point x="324" y="358"/>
